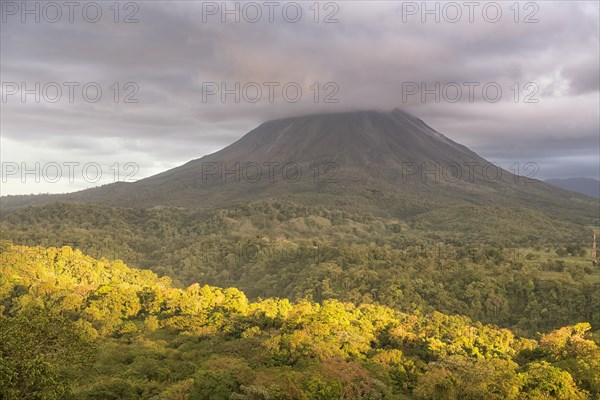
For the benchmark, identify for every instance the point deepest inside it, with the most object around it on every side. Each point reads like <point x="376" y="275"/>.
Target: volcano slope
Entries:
<point x="388" y="163"/>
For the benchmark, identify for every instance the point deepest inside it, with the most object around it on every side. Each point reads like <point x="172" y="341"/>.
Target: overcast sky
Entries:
<point x="167" y="63"/>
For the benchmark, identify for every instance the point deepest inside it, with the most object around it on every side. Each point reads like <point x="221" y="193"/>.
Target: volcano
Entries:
<point x="381" y="159"/>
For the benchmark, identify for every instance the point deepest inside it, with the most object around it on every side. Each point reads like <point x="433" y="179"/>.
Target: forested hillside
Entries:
<point x="73" y="327"/>
<point x="510" y="267"/>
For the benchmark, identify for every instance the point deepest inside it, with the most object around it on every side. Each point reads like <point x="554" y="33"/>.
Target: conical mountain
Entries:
<point x="384" y="159"/>
<point x="366" y="140"/>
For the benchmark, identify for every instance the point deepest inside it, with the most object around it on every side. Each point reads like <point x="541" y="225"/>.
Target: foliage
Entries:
<point x="496" y="265"/>
<point x="41" y="354"/>
<point x="159" y="341"/>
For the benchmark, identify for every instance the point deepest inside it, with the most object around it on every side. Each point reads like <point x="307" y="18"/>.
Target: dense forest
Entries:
<point x="75" y="327"/>
<point x="510" y="267"/>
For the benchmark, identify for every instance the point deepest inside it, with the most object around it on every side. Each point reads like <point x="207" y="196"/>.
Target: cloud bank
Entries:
<point x="182" y="79"/>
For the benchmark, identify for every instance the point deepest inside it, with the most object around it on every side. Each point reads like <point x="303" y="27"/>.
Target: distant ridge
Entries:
<point x="588" y="186"/>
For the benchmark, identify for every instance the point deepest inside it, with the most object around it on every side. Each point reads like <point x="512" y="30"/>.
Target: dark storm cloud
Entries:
<point x="370" y="55"/>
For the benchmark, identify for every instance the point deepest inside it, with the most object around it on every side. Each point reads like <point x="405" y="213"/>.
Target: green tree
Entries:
<point x="543" y="381"/>
<point x="213" y="385"/>
<point x="40" y="352"/>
